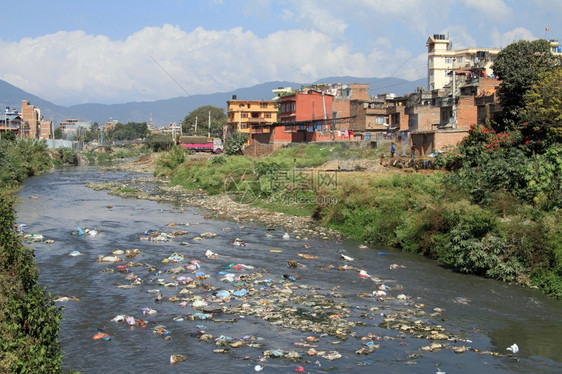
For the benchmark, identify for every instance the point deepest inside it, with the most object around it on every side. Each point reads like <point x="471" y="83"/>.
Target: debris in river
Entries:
<point x="174" y="359"/>
<point x="62" y="299"/>
<point x="102" y="336"/>
<point x="211" y="255"/>
<point x="513" y="348"/>
<point x="238" y="242"/>
<point x="102" y="258"/>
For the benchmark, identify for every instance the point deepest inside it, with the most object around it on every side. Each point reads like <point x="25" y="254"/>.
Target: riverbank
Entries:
<point x="217" y="206"/>
<point x="222" y="206"/>
<point x="29" y="321"/>
<point x="325" y="192"/>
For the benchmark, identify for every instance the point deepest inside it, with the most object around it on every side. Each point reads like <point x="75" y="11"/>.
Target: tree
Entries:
<point x="129" y="131"/>
<point x="543" y="110"/>
<point x="92" y="133"/>
<point x="518" y="66"/>
<point x="58" y="133"/>
<point x="201" y="116"/>
<point x="234" y="144"/>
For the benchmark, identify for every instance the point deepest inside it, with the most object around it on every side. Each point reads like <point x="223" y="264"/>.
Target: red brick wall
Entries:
<point x="311" y="106"/>
<point x="487" y="83"/>
<point x="359" y="91"/>
<point x="467" y="112"/>
<point x="30" y="116"/>
<point x="45" y="129"/>
<point x="342" y="107"/>
<point x="280" y="136"/>
<point x="444" y="139"/>
<point x="426" y="116"/>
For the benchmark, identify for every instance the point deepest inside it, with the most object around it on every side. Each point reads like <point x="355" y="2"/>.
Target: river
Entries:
<point x="482" y="317"/>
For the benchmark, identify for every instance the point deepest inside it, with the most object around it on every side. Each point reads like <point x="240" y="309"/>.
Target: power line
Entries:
<point x="394" y="72"/>
<point x="174" y="79"/>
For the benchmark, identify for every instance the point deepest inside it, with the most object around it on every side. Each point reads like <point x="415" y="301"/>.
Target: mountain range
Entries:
<point x="163" y="112"/>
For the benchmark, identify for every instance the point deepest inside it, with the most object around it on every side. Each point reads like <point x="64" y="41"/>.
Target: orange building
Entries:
<point x="250" y="116"/>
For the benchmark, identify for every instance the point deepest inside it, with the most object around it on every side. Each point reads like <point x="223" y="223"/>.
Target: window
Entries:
<point x="448" y="60"/>
<point x="263" y="105"/>
<point x="459" y="59"/>
<point x="267" y="115"/>
<point x="379" y="120"/>
<point x="244" y="115"/>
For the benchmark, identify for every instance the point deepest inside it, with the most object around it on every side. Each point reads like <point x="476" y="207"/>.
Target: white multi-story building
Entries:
<point x="441" y="59"/>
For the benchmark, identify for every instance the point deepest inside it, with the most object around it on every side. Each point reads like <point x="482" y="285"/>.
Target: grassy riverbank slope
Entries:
<point x="428" y="212"/>
<point x="29" y="321"/>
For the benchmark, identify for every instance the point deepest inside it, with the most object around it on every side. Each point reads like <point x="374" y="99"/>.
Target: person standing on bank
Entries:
<point x="413" y="150"/>
<point x="392" y="150"/>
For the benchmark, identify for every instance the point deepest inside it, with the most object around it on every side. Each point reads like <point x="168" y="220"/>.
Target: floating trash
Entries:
<point x="174" y="359"/>
<point x="102" y="336"/>
<point x="238" y="242"/>
<point x="347" y="258"/>
<point x="513" y="348"/>
<point x="211" y="255"/>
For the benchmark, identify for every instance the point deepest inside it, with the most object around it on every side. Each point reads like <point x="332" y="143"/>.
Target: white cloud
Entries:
<point x="319" y="16"/>
<point x="549" y="6"/>
<point x="491" y="9"/>
<point x="503" y="40"/>
<point x="68" y="66"/>
<point x="460" y="37"/>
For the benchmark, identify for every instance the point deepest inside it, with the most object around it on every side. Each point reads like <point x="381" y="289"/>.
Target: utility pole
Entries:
<point x="195" y="132"/>
<point x="239" y="117"/>
<point x="454" y="107"/>
<point x="209" y="128"/>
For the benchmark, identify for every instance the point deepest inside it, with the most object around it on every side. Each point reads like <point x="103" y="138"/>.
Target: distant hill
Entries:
<point x="175" y="109"/>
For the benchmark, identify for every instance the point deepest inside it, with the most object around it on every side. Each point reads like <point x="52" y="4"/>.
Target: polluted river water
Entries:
<point x="157" y="288"/>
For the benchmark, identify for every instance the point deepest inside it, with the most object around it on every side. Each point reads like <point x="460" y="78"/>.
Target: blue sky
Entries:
<point x="72" y="52"/>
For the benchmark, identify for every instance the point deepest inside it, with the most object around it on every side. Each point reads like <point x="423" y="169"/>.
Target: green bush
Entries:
<point x="29" y="321"/>
<point x="234" y="144"/>
<point x="169" y="161"/>
<point x="68" y="156"/>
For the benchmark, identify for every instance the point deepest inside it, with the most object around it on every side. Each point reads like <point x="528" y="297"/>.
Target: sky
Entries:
<point x="109" y="52"/>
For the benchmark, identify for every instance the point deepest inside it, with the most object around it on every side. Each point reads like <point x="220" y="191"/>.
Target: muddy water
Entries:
<point x="488" y="315"/>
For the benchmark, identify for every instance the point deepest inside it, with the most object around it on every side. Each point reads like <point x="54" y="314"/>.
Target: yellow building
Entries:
<point x="250" y="116"/>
